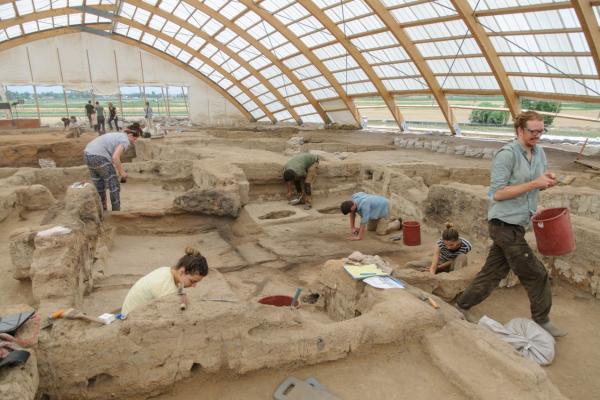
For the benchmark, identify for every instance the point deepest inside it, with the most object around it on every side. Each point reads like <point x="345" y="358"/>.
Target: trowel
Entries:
<point x="421" y="296"/>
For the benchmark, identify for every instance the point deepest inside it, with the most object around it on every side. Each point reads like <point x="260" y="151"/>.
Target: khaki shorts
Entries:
<point x="311" y="174"/>
<point x="379" y="225"/>
<point x="383" y="226"/>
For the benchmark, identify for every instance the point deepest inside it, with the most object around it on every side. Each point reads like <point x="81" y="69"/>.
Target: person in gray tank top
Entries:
<point x="103" y="158"/>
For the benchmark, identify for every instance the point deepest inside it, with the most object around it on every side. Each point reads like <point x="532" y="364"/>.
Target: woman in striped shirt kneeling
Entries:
<point x="449" y="253"/>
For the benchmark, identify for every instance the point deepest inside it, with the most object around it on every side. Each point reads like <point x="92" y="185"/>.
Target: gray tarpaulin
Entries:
<point x="527" y="337"/>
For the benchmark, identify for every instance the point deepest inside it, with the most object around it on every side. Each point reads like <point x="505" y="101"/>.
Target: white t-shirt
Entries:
<point x="158" y="283"/>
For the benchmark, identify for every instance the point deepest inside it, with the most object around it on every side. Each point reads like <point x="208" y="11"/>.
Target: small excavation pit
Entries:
<point x="278" y="214"/>
<point x="330" y="210"/>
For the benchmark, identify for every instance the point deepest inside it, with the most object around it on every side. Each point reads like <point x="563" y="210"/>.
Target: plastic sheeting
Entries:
<point x="74" y="50"/>
<point x="206" y="105"/>
<point x="527" y="337"/>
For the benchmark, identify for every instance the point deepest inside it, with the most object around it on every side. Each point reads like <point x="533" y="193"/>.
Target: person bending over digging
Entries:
<point x="449" y="253"/>
<point x="373" y="211"/>
<point x="103" y="158"/>
<point x="164" y="281"/>
<point x="518" y="174"/>
<point x="302" y="171"/>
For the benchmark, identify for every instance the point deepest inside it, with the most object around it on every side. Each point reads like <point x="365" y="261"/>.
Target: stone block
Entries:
<point x="582" y="201"/>
<point x="35" y="197"/>
<point x="488" y="153"/>
<point x="209" y="202"/>
<point x="460" y="150"/>
<point x="8" y="202"/>
<point x="61" y="269"/>
<point x="21" y="248"/>
<point x="476" y="152"/>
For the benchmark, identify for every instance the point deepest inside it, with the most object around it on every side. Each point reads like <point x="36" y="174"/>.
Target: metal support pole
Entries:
<point x="143" y="80"/>
<point x="187" y="110"/>
<point x="90" y="75"/>
<point x="35" y="96"/>
<point x="167" y="101"/>
<point x="62" y="81"/>
<point x="119" y="85"/>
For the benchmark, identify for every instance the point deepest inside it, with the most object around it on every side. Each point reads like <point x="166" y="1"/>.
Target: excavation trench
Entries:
<point x="207" y="193"/>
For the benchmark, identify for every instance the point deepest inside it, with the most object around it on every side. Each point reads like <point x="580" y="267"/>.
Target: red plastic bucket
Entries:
<point x="277" y="301"/>
<point x="553" y="232"/>
<point x="411" y="233"/>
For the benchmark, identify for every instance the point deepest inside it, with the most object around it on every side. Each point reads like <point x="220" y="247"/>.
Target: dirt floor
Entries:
<point x="259" y="256"/>
<point x="389" y="372"/>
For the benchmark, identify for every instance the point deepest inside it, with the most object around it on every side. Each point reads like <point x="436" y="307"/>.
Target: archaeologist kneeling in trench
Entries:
<point x="373" y="211"/>
<point x="302" y="171"/>
<point x="449" y="253"/>
<point x="103" y="158"/>
<point x="164" y="281"/>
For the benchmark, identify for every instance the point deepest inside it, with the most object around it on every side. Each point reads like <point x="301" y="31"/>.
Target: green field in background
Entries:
<point x="131" y="107"/>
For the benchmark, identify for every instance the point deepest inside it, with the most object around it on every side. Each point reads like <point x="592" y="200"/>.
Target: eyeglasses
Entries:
<point x="536" y="132"/>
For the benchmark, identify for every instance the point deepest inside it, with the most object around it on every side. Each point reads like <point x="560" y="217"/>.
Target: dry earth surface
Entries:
<point x="260" y="256"/>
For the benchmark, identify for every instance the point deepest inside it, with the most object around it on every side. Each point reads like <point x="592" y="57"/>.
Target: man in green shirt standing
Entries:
<point x="100" y="115"/>
<point x="302" y="171"/>
<point x="518" y="174"/>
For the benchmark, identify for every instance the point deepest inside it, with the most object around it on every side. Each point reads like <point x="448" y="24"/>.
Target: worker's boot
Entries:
<point x="296" y="201"/>
<point x="466" y="314"/>
<point x="553" y="330"/>
<point x="308" y="202"/>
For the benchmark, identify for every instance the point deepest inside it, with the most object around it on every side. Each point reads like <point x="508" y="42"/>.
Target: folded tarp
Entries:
<point x="527" y="337"/>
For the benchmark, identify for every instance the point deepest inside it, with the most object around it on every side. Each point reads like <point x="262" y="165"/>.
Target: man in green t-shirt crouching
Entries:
<point x="302" y="171"/>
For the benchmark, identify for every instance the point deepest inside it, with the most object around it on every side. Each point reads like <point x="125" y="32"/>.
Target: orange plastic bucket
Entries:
<point x="411" y="233"/>
<point x="553" y="231"/>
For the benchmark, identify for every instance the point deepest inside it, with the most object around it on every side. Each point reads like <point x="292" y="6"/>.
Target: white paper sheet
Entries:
<point x="384" y="282"/>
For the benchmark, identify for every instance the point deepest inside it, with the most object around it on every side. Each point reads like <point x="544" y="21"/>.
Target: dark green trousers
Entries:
<point x="511" y="251"/>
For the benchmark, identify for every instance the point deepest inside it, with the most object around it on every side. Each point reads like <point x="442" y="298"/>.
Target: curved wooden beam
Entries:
<point x="209" y="39"/>
<point x="523" y="9"/>
<point x="289" y="35"/>
<point x="417" y="58"/>
<point x="201" y="57"/>
<point x="5" y="23"/>
<point x="589" y="25"/>
<point x="144" y="28"/>
<point x="489" y="52"/>
<point x="265" y="52"/>
<point x="77" y="29"/>
<point x="358" y="57"/>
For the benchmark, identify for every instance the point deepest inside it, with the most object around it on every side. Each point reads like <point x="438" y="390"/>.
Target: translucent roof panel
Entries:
<point x="586" y="87"/>
<point x="438" y="30"/>
<point x="552" y="19"/>
<point x="422" y="11"/>
<point x="283" y="116"/>
<point x="556" y="42"/>
<point x="404" y="84"/>
<point x="325" y="93"/>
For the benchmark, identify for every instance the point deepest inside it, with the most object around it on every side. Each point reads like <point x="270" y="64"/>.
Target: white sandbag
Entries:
<point x="527" y="337"/>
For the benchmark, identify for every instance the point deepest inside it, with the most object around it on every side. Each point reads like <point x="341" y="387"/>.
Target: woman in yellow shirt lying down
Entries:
<point x="164" y="281"/>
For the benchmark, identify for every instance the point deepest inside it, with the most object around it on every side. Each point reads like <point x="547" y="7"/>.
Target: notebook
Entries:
<point x="359" y="272"/>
